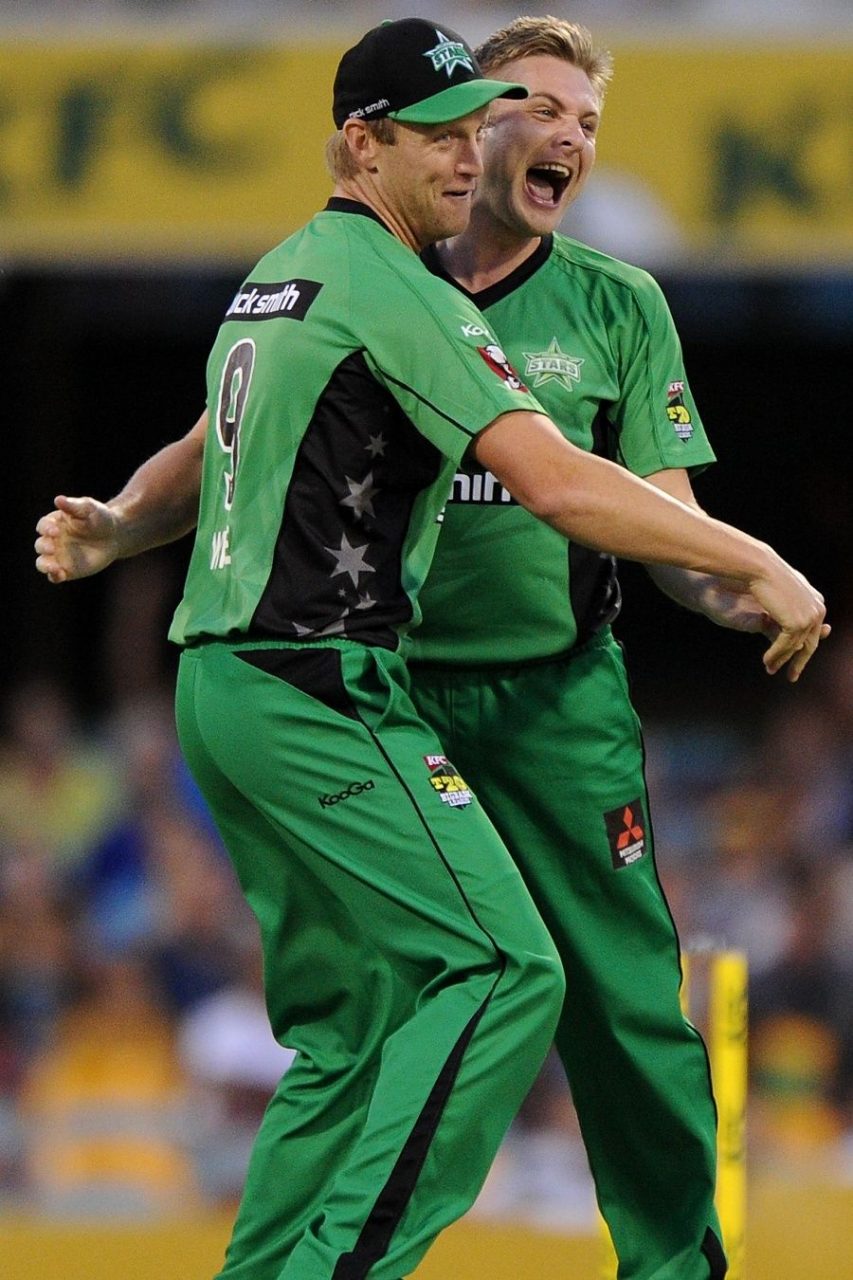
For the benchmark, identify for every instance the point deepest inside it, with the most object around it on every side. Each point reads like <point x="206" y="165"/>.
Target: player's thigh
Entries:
<point x="312" y="944"/>
<point x="556" y="755"/>
<point x="327" y="747"/>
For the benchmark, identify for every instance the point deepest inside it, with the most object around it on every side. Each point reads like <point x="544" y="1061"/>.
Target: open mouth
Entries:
<point x="546" y="184"/>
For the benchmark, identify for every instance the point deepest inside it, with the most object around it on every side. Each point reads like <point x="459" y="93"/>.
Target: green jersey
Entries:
<point x="344" y="386"/>
<point x="594" y="340"/>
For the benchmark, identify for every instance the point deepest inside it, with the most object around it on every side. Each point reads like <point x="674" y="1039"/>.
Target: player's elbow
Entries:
<point x="544" y="472"/>
<point x="556" y="501"/>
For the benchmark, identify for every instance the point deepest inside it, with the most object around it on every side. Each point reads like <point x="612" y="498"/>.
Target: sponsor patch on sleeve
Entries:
<point x="626" y="833"/>
<point x="677" y="411"/>
<point x="498" y="363"/>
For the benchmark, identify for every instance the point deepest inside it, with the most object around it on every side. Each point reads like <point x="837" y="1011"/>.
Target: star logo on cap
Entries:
<point x="553" y="365"/>
<point x="448" y="55"/>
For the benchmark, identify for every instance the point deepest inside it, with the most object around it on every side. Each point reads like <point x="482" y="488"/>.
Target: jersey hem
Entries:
<point x="458" y="666"/>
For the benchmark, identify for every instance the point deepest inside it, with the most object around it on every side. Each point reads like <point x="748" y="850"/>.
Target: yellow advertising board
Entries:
<point x="750" y="149"/>
<point x="112" y="152"/>
<point x="154" y="152"/>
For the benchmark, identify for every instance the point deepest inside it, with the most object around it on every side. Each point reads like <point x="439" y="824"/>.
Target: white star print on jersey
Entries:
<point x="361" y="494"/>
<point x="333" y="629"/>
<point x="376" y="446"/>
<point x="350" y="559"/>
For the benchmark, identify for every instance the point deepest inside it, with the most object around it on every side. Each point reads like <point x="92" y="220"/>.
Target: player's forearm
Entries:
<point x="694" y="591"/>
<point x="159" y="503"/>
<point x="624" y="516"/>
<point x="605" y="507"/>
<point x="699" y="592"/>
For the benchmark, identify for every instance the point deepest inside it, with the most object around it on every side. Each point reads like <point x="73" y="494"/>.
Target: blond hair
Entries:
<point x="339" y="159"/>
<point x="525" y="37"/>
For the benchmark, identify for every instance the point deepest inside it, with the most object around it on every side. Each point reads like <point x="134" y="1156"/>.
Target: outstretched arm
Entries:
<point x="602" y="505"/>
<point x="722" y="600"/>
<point x="158" y="504"/>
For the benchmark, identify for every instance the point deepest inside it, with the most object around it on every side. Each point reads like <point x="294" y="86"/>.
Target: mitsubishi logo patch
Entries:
<point x="626" y="833"/>
<point x="449" y="54"/>
<point x="553" y="365"/>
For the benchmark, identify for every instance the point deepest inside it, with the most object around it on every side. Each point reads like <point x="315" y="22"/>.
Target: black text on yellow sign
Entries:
<point x="216" y="151"/>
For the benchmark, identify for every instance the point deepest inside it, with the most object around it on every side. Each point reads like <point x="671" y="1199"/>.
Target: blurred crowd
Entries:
<point x="135" y="1056"/>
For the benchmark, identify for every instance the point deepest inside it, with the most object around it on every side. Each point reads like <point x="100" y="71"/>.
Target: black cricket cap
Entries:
<point x="415" y="71"/>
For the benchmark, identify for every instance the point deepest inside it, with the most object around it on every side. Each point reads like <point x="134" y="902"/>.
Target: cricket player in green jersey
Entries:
<point x="405" y="960"/>
<point x="523" y="679"/>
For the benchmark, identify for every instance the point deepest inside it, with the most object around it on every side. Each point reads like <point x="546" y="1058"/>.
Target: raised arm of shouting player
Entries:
<point x="585" y="497"/>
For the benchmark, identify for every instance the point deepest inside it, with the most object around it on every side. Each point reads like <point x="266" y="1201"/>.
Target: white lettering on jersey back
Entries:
<point x="220" y="556"/>
<point x="291" y="298"/>
<point x="251" y="304"/>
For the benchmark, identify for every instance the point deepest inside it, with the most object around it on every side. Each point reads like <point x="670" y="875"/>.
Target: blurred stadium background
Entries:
<point x="150" y="150"/>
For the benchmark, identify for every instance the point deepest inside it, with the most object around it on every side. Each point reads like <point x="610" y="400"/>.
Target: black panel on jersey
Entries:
<point x="316" y="672"/>
<point x="594" y="591"/>
<point x="358" y="472"/>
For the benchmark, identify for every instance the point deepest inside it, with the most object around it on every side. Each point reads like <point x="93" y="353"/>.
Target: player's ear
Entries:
<point x="361" y="143"/>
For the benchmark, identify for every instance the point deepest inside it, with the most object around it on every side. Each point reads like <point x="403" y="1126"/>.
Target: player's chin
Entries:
<point x="455" y="212"/>
<point x="541" y="219"/>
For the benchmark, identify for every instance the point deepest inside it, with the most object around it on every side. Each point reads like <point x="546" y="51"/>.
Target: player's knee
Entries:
<point x="545" y="984"/>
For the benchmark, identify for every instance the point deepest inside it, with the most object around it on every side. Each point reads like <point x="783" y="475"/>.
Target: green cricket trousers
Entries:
<point x="555" y="753"/>
<point x="404" y="958"/>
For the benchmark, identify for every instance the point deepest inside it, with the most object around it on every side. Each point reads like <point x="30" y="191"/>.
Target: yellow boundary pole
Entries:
<point x="721" y="978"/>
<point x="727" y="1035"/>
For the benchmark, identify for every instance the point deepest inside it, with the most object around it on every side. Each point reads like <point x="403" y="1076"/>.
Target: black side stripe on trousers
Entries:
<point x="384" y="1217"/>
<point x="713" y="1251"/>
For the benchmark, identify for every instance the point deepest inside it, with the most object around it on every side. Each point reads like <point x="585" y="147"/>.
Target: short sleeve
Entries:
<point x="437" y="355"/>
<point x="655" y="415"/>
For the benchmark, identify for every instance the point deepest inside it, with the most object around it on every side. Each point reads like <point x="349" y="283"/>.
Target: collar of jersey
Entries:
<point x="340" y="204"/>
<point x="488" y="297"/>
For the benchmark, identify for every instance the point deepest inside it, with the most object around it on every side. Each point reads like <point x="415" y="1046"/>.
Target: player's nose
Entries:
<point x="572" y="134"/>
<point x="469" y="159"/>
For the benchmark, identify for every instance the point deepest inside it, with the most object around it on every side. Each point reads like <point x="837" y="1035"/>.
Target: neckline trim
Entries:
<point x="501" y="288"/>
<point x="342" y="204"/>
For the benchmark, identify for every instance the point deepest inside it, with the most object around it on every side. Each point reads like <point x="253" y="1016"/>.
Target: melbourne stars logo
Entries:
<point x="449" y="54"/>
<point x="553" y="365"/>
